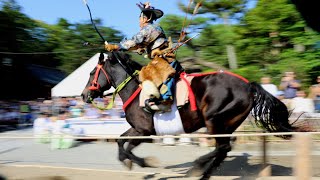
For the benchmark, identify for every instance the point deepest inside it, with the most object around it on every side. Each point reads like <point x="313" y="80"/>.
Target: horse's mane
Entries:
<point x="126" y="59"/>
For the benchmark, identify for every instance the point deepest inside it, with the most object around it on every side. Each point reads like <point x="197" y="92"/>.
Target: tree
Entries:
<point x="212" y="42"/>
<point x="59" y="45"/>
<point x="225" y="10"/>
<point x="173" y="25"/>
<point x="272" y="36"/>
<point x="65" y="37"/>
<point x="15" y="27"/>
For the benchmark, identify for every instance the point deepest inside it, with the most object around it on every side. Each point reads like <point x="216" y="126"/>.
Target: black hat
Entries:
<point x="150" y="12"/>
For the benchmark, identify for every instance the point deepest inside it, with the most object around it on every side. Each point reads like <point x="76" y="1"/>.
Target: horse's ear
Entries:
<point x="101" y="58"/>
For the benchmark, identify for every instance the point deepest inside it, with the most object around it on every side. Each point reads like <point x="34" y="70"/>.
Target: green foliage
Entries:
<point x="252" y="73"/>
<point x="15" y="28"/>
<point x="72" y="37"/>
<point x="270" y="39"/>
<point x="173" y="25"/>
<point x="269" y="35"/>
<point x="59" y="45"/>
<point x="224" y="9"/>
<point x="184" y="52"/>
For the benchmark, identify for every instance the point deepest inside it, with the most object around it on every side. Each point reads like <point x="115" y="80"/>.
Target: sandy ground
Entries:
<point x="26" y="159"/>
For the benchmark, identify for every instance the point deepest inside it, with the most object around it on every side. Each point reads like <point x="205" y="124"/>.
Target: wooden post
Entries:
<point x="266" y="169"/>
<point x="302" y="162"/>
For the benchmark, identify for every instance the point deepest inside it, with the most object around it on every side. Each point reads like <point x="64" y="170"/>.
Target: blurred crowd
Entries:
<point x="291" y="93"/>
<point x="25" y="112"/>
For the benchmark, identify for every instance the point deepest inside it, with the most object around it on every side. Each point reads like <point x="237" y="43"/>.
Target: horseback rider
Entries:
<point x="152" y="40"/>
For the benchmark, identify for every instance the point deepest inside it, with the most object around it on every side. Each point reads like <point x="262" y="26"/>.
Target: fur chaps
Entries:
<point x="154" y="74"/>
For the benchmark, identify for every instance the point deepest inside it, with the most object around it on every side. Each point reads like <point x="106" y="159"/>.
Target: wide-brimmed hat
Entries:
<point x="155" y="13"/>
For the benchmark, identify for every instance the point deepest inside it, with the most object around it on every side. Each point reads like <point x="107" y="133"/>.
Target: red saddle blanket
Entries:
<point x="183" y="88"/>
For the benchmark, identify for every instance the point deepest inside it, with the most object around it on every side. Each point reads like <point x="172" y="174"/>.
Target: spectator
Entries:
<point x="302" y="104"/>
<point x="75" y="111"/>
<point x="42" y="128"/>
<point x="25" y="112"/>
<point x="92" y="112"/>
<point x="61" y="132"/>
<point x="290" y="85"/>
<point x="280" y="96"/>
<point x="268" y="86"/>
<point x="60" y="122"/>
<point x="315" y="94"/>
<point x="12" y="115"/>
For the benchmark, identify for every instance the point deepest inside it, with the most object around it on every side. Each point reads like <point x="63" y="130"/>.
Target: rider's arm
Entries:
<point x="134" y="42"/>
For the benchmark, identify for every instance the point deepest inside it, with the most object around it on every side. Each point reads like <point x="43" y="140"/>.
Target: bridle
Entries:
<point x="95" y="86"/>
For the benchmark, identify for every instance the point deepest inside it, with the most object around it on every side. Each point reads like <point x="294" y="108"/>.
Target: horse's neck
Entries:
<point x="128" y="90"/>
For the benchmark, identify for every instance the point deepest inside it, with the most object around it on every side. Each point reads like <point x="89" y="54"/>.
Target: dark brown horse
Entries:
<point x="223" y="102"/>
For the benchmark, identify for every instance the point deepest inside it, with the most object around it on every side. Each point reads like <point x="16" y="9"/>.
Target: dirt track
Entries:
<point x="235" y="168"/>
<point x="26" y="159"/>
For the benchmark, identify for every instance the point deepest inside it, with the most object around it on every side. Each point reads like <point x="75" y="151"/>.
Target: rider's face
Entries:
<point x="142" y="21"/>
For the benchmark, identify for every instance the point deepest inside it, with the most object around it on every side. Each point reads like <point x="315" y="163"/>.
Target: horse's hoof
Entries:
<point x="151" y="162"/>
<point x="127" y="163"/>
<point x="194" y="172"/>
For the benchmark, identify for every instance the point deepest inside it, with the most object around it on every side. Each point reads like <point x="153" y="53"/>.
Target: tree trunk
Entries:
<point x="232" y="58"/>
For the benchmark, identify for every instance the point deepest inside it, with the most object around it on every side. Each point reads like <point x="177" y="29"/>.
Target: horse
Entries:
<point x="223" y="101"/>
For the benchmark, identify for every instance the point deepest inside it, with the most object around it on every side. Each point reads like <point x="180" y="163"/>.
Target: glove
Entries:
<point x="170" y="55"/>
<point x="111" y="47"/>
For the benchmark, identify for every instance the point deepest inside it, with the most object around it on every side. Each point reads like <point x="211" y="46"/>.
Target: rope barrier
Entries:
<point x="97" y="136"/>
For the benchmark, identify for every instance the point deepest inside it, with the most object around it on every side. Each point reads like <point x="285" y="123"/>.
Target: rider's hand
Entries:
<point x="111" y="47"/>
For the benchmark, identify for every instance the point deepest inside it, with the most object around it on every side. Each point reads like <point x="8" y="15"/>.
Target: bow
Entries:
<point x="94" y="25"/>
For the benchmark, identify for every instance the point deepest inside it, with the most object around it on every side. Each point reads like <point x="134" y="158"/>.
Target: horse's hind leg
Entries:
<point x="214" y="111"/>
<point x="222" y="147"/>
<point x="222" y="117"/>
<point x="204" y="164"/>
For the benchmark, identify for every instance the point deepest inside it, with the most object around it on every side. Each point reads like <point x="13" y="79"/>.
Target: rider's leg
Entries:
<point x="166" y="92"/>
<point x="167" y="89"/>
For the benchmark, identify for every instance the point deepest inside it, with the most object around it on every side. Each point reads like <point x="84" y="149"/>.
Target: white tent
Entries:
<point x="74" y="84"/>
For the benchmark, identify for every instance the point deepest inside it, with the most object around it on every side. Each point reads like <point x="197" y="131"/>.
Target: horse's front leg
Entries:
<point x="122" y="155"/>
<point x="125" y="154"/>
<point x="143" y="162"/>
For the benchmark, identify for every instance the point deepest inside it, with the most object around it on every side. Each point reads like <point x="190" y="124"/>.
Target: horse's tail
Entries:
<point x="269" y="112"/>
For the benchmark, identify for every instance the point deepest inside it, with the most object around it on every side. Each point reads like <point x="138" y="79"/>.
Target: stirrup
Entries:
<point x="147" y="108"/>
<point x="152" y="105"/>
<point x="161" y="108"/>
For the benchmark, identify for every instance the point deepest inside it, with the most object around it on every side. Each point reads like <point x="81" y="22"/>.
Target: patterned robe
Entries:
<point x="150" y="37"/>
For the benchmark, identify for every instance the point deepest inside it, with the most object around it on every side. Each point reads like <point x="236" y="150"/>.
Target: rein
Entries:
<point x="117" y="90"/>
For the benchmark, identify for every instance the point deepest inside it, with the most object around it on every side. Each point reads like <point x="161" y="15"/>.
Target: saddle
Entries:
<point x="181" y="94"/>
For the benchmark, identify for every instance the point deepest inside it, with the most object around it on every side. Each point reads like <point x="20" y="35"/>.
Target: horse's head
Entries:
<point x="111" y="70"/>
